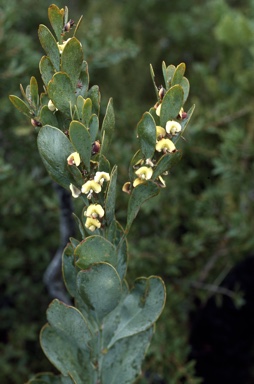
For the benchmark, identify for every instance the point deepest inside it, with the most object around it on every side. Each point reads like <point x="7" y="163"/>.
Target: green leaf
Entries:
<point x="123" y="361"/>
<point x="104" y="165"/>
<point x="47" y="117"/>
<point x="34" y="92"/>
<point x="100" y="288"/>
<point x="46" y="69"/>
<point x="81" y="140"/>
<point x="141" y="308"/>
<point x="72" y="59"/>
<point x="56" y="18"/>
<point x="110" y="199"/>
<point x="95" y="96"/>
<point x="108" y="126"/>
<point x="186" y="121"/>
<point x="93" y="127"/>
<point x="84" y="79"/>
<point x="136" y="158"/>
<point x="178" y="74"/>
<point x="20" y="105"/>
<point x="49" y="45"/>
<point x="186" y="88"/>
<point x="115" y="234"/>
<point x="147" y="135"/>
<point x="166" y="162"/>
<point x="54" y="148"/>
<point x="87" y="112"/>
<point x="95" y="249"/>
<point x="168" y="73"/>
<point x="62" y="93"/>
<point x="153" y="80"/>
<point x="138" y="196"/>
<point x="69" y="269"/>
<point x="171" y="104"/>
<point x="79" y="224"/>
<point x="66" y="342"/>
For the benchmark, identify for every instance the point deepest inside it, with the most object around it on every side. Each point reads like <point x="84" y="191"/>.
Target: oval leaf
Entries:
<point x="47" y="117"/>
<point x="166" y="162"/>
<point x="62" y="93"/>
<point x="141" y="308"/>
<point x="107" y="130"/>
<point x="125" y="357"/>
<point x="72" y="59"/>
<point x="81" y="140"/>
<point x="56" y="18"/>
<point x="100" y="288"/>
<point x="171" y="104"/>
<point x="178" y="74"/>
<point x="46" y="69"/>
<point x="95" y="249"/>
<point x="49" y="45"/>
<point x="20" y="105"/>
<point x="54" y="148"/>
<point x="110" y="199"/>
<point x="65" y="342"/>
<point x="147" y="135"/>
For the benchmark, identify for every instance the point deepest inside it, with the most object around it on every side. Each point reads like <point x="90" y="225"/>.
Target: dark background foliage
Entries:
<point x="196" y="231"/>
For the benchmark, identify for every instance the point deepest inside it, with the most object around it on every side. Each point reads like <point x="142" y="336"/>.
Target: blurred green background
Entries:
<point x="198" y="228"/>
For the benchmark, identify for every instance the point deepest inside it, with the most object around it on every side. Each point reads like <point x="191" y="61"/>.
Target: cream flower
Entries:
<point x="138" y="181"/>
<point x="94" y="211"/>
<point x="74" y="159"/>
<point x="61" y="46"/>
<point x="173" y="127"/>
<point x="127" y="187"/>
<point x="75" y="191"/>
<point x="144" y="173"/>
<point x="89" y="187"/>
<point x="100" y="177"/>
<point x="160" y="132"/>
<point x="51" y="106"/>
<point x="165" y="145"/>
<point x="92" y="224"/>
<point x="158" y="110"/>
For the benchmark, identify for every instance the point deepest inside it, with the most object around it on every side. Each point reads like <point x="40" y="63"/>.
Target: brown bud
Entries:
<point x="36" y="123"/>
<point x="162" y="91"/>
<point x="96" y="147"/>
<point x="68" y="26"/>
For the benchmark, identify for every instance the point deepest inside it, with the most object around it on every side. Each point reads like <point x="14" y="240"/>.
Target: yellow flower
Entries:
<point x="100" y="177"/>
<point x="127" y="187"/>
<point x="92" y="224"/>
<point x="94" y="211"/>
<point x="173" y="127"/>
<point x="74" y="191"/>
<point x="74" y="158"/>
<point x="89" y="187"/>
<point x="51" y="106"/>
<point x="160" y="132"/>
<point x="158" y="110"/>
<point x="138" y="181"/>
<point x="61" y="46"/>
<point x="144" y="173"/>
<point x="165" y="145"/>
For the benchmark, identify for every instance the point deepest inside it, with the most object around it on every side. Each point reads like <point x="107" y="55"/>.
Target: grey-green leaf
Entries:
<point x="171" y="104"/>
<point x="49" y="45"/>
<point x="54" y="148"/>
<point x="62" y="92"/>
<point x="72" y="59"/>
<point x="147" y="135"/>
<point x="100" y="288"/>
<point x="81" y="140"/>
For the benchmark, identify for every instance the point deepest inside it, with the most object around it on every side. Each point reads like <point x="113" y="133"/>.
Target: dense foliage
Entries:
<point x="194" y="233"/>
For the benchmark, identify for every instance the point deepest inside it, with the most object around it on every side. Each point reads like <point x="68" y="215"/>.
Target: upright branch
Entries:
<point x="104" y="335"/>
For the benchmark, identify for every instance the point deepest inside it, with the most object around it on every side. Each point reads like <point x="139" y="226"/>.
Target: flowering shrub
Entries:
<point x="104" y="336"/>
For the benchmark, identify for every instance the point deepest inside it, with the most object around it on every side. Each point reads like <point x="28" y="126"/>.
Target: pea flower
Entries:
<point x="158" y="110"/>
<point x="173" y="127"/>
<point x="89" y="187"/>
<point x="160" y="132"/>
<point x="51" y="106"/>
<point x="75" y="191"/>
<point x="61" y="46"/>
<point x="74" y="159"/>
<point x="138" y="181"/>
<point x="165" y="145"/>
<point x="94" y="211"/>
<point x="100" y="177"/>
<point x="92" y="224"/>
<point x="127" y="187"/>
<point x="144" y="173"/>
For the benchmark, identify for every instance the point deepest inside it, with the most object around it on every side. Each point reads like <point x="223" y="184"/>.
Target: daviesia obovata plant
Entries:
<point x="104" y="336"/>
